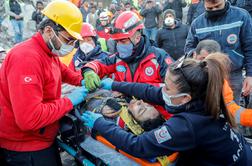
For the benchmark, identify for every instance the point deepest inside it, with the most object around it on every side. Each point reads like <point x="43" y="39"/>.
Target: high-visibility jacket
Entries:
<point x="242" y="115"/>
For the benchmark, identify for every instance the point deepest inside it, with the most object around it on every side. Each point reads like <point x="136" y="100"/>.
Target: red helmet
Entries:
<point x="87" y="30"/>
<point x="125" y="26"/>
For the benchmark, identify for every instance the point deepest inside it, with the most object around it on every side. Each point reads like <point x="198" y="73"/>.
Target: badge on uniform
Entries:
<point x="168" y="61"/>
<point x="232" y="39"/>
<point x="162" y="135"/>
<point x="149" y="71"/>
<point x="120" y="68"/>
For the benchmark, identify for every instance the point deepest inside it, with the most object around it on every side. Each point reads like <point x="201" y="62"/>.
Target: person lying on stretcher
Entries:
<point x="110" y="105"/>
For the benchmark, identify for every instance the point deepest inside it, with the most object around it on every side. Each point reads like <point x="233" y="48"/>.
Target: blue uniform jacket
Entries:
<point x="198" y="138"/>
<point x="232" y="31"/>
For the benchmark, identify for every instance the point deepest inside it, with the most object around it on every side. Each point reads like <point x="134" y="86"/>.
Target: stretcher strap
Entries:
<point x="137" y="130"/>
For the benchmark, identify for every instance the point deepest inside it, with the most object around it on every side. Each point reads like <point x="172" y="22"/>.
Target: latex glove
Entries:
<point x="83" y="82"/>
<point x="78" y="95"/>
<point x="89" y="118"/>
<point x="92" y="80"/>
<point x="107" y="83"/>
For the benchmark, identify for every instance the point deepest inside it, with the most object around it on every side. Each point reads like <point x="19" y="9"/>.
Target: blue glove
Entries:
<point x="78" y="95"/>
<point x="83" y="82"/>
<point x="89" y="118"/>
<point x="107" y="83"/>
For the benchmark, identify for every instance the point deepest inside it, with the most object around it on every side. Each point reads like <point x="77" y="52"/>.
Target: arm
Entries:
<point x="7" y="9"/>
<point x="31" y="111"/>
<point x="69" y="76"/>
<point x="164" y="60"/>
<point x="242" y="115"/>
<point x="103" y="66"/>
<point x="144" y="12"/>
<point x="191" y="40"/>
<point x="177" y="135"/>
<point x="34" y="16"/>
<point x="246" y="43"/>
<point x="190" y="14"/>
<point x="148" y="93"/>
<point x="158" y="10"/>
<point x="158" y="38"/>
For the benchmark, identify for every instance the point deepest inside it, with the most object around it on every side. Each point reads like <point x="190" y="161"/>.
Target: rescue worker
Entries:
<point x="231" y="28"/>
<point x="201" y="129"/>
<point x="89" y="48"/>
<point x="136" y="60"/>
<point x="243" y="116"/>
<point x="30" y="87"/>
<point x="101" y="28"/>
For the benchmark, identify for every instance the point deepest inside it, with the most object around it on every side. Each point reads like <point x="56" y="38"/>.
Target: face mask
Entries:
<point x="64" y="50"/>
<point x="124" y="50"/>
<point x="86" y="47"/>
<point x="216" y="13"/>
<point x="169" y="21"/>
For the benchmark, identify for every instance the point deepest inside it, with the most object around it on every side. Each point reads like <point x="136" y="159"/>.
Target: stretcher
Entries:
<point x="90" y="149"/>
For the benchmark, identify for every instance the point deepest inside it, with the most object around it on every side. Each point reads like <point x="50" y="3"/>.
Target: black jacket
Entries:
<point x="151" y="16"/>
<point x="194" y="11"/>
<point x="173" y="40"/>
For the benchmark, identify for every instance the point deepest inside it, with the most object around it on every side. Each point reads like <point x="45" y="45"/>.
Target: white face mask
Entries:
<point x="168" y="98"/>
<point x="86" y="47"/>
<point x="64" y="50"/>
<point x="169" y="21"/>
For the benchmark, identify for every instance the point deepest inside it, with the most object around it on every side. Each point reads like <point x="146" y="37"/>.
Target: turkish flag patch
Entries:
<point x="168" y="61"/>
<point x="29" y="79"/>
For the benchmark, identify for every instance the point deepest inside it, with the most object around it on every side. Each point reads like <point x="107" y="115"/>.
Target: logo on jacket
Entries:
<point x="168" y="61"/>
<point x="149" y="71"/>
<point x="162" y="135"/>
<point x="232" y="39"/>
<point x="120" y="68"/>
<point x="27" y="79"/>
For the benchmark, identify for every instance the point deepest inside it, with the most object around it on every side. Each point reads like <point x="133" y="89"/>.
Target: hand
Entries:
<point x="107" y="83"/>
<point x="17" y="17"/>
<point x="89" y="118"/>
<point x="247" y="86"/>
<point x="92" y="80"/>
<point x="78" y="95"/>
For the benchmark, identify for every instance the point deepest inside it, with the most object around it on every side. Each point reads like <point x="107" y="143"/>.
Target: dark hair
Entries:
<point x="47" y="22"/>
<point x="211" y="46"/>
<point x="151" y="124"/>
<point x="204" y="80"/>
<point x="39" y="2"/>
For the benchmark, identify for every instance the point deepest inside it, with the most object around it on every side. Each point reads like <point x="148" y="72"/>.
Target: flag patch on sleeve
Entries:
<point x="162" y="135"/>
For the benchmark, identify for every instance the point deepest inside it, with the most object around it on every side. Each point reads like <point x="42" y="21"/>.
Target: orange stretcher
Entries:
<point x="171" y="158"/>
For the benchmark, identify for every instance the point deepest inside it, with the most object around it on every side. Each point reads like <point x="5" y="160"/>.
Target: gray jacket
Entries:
<point x="151" y="16"/>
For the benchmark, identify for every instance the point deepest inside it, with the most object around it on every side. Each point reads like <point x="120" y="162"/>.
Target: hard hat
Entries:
<point x="110" y="14"/>
<point x="87" y="30"/>
<point x="125" y="25"/>
<point x="65" y="14"/>
<point x="103" y="16"/>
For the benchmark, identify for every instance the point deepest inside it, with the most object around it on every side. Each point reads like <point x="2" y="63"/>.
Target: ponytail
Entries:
<point x="218" y="67"/>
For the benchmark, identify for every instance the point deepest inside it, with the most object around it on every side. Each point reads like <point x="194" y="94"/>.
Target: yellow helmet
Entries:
<point x="65" y="14"/>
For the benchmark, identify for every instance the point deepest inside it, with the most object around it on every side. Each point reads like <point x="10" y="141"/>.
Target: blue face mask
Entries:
<point x="124" y="50"/>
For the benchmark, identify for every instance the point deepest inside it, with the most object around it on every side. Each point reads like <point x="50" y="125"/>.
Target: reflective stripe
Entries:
<point x="230" y="103"/>
<point x="219" y="27"/>
<point x="238" y="53"/>
<point x="238" y="115"/>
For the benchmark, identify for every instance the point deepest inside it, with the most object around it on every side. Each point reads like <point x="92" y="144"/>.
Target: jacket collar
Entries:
<point x="40" y="40"/>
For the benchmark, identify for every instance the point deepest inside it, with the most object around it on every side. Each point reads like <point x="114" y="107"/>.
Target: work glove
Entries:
<point x="107" y="83"/>
<point x="78" y="95"/>
<point x="89" y="118"/>
<point x="83" y="82"/>
<point x="92" y="80"/>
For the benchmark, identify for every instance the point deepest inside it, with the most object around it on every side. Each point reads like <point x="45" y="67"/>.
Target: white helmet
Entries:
<point x="104" y="16"/>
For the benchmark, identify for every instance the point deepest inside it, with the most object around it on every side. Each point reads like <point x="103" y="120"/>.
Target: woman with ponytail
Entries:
<point x="201" y="129"/>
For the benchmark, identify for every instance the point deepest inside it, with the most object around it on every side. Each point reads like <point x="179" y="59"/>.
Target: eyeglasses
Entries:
<point x="179" y="66"/>
<point x="70" y="41"/>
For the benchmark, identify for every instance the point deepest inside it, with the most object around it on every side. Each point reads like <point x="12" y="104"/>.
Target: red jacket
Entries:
<point x="30" y="100"/>
<point x="151" y="69"/>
